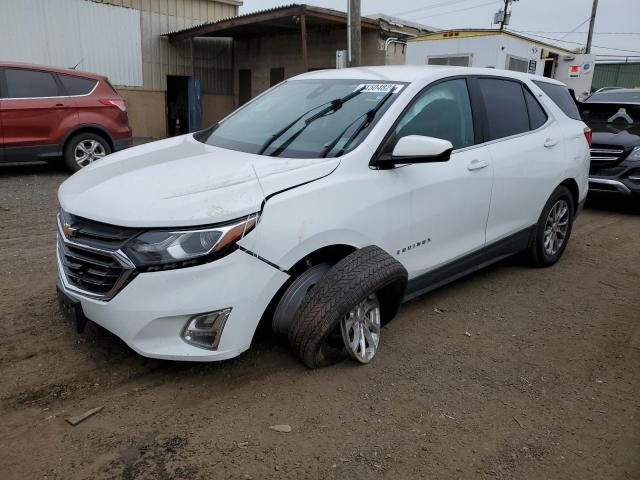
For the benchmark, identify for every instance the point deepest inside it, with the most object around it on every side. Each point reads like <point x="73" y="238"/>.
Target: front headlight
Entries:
<point x="635" y="154"/>
<point x="168" y="249"/>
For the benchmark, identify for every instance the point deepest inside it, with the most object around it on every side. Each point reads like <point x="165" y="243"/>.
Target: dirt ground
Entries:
<point x="545" y="386"/>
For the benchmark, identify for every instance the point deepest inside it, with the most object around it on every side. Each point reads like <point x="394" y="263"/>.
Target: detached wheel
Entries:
<point x="554" y="229"/>
<point x="343" y="313"/>
<point x="83" y="149"/>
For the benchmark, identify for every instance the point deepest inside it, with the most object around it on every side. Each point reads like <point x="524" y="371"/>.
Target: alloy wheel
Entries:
<point x="88" y="151"/>
<point x="361" y="329"/>
<point x="556" y="227"/>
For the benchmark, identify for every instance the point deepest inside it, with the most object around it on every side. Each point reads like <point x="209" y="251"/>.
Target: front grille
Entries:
<point x="603" y="187"/>
<point x="605" y="154"/>
<point x="605" y="171"/>
<point x="89" y="256"/>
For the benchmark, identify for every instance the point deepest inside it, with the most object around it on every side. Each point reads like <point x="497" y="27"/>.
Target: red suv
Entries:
<point x="47" y="113"/>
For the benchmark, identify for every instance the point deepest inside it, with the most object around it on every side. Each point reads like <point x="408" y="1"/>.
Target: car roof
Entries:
<point x="67" y="71"/>
<point x="413" y="73"/>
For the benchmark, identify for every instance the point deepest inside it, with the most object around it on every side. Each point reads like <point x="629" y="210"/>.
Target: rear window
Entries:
<point x="77" y="85"/>
<point x="30" y="83"/>
<point x="561" y="97"/>
<point x="505" y="106"/>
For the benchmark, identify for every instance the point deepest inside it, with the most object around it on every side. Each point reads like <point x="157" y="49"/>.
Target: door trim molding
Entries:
<point x="470" y="263"/>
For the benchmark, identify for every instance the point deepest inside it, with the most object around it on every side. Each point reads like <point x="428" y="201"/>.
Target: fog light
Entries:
<point x="204" y="330"/>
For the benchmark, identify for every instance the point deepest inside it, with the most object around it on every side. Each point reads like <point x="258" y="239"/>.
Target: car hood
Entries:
<point x="613" y="124"/>
<point x="618" y="135"/>
<point x="182" y="182"/>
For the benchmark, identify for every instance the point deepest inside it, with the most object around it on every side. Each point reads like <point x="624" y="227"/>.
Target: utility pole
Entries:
<point x="504" y="14"/>
<point x="592" y="23"/>
<point x="354" y="33"/>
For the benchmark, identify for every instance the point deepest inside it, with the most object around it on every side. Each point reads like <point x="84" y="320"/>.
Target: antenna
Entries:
<point x="76" y="65"/>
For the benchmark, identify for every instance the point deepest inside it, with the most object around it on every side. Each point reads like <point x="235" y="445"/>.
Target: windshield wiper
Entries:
<point x="369" y="116"/>
<point x="333" y="106"/>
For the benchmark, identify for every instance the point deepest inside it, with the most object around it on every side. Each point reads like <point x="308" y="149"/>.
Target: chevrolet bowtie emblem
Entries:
<point x="68" y="230"/>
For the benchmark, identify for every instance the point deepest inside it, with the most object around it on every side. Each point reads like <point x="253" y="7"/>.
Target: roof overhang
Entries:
<point x="270" y="22"/>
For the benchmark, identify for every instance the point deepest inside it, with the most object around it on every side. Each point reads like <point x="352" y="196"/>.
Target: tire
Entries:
<point x="88" y="140"/>
<point x="315" y="333"/>
<point x="539" y="254"/>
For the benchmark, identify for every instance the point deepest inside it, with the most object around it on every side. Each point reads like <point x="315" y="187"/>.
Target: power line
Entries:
<point x="581" y="31"/>
<point x="574" y="29"/>
<point x="580" y="43"/>
<point x="435" y="5"/>
<point x="460" y="10"/>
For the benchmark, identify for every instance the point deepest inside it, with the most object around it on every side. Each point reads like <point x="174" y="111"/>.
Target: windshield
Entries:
<point x="305" y="118"/>
<point x="616" y="96"/>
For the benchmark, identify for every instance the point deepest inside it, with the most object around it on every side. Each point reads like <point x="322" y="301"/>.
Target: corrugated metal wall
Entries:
<point x="616" y="75"/>
<point x="98" y="38"/>
<point x="123" y="43"/>
<point x="213" y="57"/>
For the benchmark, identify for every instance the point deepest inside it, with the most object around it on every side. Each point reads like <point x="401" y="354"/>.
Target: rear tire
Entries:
<point x="83" y="149"/>
<point x="315" y="332"/>
<point x="553" y="229"/>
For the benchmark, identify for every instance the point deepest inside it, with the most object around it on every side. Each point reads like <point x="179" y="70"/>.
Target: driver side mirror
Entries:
<point x="417" y="149"/>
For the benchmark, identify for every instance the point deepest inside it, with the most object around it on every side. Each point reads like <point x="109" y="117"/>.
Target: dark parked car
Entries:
<point x="51" y="113"/>
<point x="614" y="117"/>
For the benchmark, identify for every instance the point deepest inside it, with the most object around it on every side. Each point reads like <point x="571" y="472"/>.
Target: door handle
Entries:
<point x="550" y="142"/>
<point x="477" y="165"/>
<point x="59" y="105"/>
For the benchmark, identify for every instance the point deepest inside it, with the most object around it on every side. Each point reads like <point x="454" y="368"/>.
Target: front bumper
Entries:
<point x="151" y="311"/>
<point x="615" y="185"/>
<point x="623" y="177"/>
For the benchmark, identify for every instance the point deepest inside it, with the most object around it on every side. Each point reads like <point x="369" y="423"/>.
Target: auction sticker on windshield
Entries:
<point x="379" y="87"/>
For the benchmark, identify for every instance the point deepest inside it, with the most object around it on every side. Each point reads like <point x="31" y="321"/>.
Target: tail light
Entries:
<point x="588" y="134"/>
<point x="119" y="103"/>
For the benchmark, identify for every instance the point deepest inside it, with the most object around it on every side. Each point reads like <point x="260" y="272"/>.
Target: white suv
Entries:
<point x="319" y="207"/>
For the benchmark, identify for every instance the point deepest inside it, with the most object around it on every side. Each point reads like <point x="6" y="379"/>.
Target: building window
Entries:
<point x="517" y="64"/>
<point x="453" y="60"/>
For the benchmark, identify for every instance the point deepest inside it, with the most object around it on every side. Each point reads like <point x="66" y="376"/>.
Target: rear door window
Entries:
<point x="561" y="97"/>
<point x="537" y="116"/>
<point x="21" y="83"/>
<point x="505" y="106"/>
<point x="77" y="85"/>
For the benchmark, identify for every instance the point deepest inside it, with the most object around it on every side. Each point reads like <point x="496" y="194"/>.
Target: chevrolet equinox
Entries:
<point x="319" y="207"/>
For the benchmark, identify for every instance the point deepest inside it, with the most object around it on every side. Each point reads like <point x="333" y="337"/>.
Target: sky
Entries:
<point x="617" y="24"/>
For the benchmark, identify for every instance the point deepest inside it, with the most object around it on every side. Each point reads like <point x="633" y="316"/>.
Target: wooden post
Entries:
<point x="303" y="38"/>
<point x="355" y="34"/>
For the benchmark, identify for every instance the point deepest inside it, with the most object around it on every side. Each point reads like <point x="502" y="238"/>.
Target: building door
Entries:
<point x="549" y="64"/>
<point x="178" y="89"/>
<point x="244" y="86"/>
<point x="276" y="76"/>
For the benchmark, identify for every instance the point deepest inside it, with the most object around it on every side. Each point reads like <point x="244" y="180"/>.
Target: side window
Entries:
<point x="443" y="111"/>
<point x="30" y="84"/>
<point x="537" y="116"/>
<point x="77" y="85"/>
<point x="505" y="106"/>
<point x="561" y="97"/>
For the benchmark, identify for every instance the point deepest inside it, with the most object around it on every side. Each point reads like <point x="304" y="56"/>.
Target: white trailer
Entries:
<point x="502" y="50"/>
